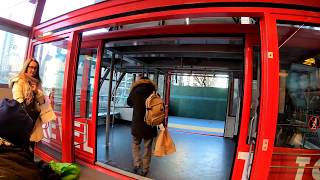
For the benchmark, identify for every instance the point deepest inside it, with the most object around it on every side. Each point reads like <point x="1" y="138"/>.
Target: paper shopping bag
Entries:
<point x="46" y="112"/>
<point x="164" y="144"/>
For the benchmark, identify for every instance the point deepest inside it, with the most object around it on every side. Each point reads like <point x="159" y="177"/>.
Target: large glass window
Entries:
<point x="299" y="92"/>
<point x="201" y="80"/>
<point x="85" y="82"/>
<point x="21" y="11"/>
<point x="55" y="8"/>
<point x="52" y="58"/>
<point x="12" y="52"/>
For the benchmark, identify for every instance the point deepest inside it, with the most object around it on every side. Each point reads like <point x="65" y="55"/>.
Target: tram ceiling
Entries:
<point x="181" y="54"/>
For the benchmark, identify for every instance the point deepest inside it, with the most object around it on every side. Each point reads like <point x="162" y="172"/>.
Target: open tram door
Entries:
<point x="86" y="93"/>
<point x="250" y="81"/>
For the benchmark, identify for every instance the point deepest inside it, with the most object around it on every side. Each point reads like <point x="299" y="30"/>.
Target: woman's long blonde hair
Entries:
<point x="25" y="67"/>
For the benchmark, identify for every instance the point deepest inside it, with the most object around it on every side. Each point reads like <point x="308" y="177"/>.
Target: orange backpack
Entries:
<point x="155" y="112"/>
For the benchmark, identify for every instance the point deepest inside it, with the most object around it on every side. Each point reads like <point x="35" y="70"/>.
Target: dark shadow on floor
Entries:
<point x="197" y="157"/>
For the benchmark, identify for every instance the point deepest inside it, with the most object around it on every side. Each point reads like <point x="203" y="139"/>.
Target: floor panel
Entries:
<point x="197" y="157"/>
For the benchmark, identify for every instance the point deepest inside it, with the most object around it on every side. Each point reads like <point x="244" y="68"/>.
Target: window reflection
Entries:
<point x="12" y="51"/>
<point x="85" y="82"/>
<point x="12" y="10"/>
<point x="299" y="100"/>
<point x="54" y="8"/>
<point x="52" y="58"/>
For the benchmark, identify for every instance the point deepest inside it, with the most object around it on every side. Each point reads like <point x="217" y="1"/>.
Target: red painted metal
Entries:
<point x="287" y="157"/>
<point x="299" y="18"/>
<point x="270" y="69"/>
<point x="197" y="12"/>
<point x="68" y="98"/>
<point x="38" y="12"/>
<point x="246" y="104"/>
<point x="178" y="30"/>
<point x="105" y="171"/>
<point x="80" y="153"/>
<point x="95" y="99"/>
<point x="44" y="156"/>
<point x="84" y="150"/>
<point x="14" y="27"/>
<point x="116" y="7"/>
<point x="167" y="101"/>
<point x="268" y="99"/>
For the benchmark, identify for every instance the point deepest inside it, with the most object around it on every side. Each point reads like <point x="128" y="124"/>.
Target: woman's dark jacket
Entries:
<point x="140" y="91"/>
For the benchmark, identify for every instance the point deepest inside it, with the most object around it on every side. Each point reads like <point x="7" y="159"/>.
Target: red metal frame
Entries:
<point x="177" y="30"/>
<point x="112" y="7"/>
<point x="14" y="27"/>
<point x="289" y="156"/>
<point x="38" y="12"/>
<point x="96" y="96"/>
<point x="268" y="99"/>
<point x="270" y="66"/>
<point x="59" y="115"/>
<point x="167" y="100"/>
<point x="243" y="147"/>
<point x="68" y="98"/>
<point x="80" y="154"/>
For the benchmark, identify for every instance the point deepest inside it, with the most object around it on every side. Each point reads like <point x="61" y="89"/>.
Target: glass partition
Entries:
<point x="12" y="10"/>
<point x="299" y="95"/>
<point x="12" y="51"/>
<point x="55" y="8"/>
<point x="85" y="82"/>
<point x="52" y="59"/>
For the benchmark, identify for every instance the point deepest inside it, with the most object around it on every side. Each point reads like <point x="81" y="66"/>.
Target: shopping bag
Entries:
<point x="46" y="112"/>
<point x="67" y="171"/>
<point x="164" y="144"/>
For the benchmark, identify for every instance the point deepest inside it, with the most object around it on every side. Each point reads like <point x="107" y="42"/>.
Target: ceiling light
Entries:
<point x="309" y="62"/>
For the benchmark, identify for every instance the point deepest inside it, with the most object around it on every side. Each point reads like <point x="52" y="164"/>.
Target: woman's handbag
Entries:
<point x="164" y="144"/>
<point x="46" y="112"/>
<point x="15" y="123"/>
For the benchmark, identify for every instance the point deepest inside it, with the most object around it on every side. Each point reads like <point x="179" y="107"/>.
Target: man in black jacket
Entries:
<point x="140" y="91"/>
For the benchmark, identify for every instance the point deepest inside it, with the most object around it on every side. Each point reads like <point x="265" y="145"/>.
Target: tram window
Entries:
<point x="161" y="85"/>
<point x="12" y="51"/>
<point x="52" y="58"/>
<point x="299" y="90"/>
<point x="11" y="9"/>
<point x="85" y="82"/>
<point x="54" y="8"/>
<point x="123" y="91"/>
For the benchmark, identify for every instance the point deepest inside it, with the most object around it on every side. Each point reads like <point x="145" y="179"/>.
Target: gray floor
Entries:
<point x="91" y="174"/>
<point x="197" y="157"/>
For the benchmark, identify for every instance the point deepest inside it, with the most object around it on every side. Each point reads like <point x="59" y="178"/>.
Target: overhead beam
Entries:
<point x="14" y="27"/>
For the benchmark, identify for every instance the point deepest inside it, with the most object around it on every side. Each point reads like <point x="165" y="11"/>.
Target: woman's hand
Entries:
<point x="34" y="87"/>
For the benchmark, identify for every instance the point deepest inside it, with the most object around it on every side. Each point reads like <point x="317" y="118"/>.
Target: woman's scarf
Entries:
<point x="29" y="95"/>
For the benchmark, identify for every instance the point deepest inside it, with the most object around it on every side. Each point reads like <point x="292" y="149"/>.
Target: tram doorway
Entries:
<point x="199" y="106"/>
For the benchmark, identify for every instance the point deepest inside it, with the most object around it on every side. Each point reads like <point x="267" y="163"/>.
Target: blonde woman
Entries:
<point x="26" y="89"/>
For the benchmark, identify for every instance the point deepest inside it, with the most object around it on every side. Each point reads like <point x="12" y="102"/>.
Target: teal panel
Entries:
<point x="198" y="102"/>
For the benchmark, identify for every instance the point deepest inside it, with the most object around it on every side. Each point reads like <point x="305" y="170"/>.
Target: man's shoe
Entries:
<point x="136" y="170"/>
<point x="144" y="173"/>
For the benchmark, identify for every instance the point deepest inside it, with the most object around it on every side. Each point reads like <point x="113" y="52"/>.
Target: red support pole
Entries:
<point x="239" y="170"/>
<point x="68" y="98"/>
<point x="268" y="98"/>
<point x="95" y="100"/>
<point x="38" y="13"/>
<point x="168" y="86"/>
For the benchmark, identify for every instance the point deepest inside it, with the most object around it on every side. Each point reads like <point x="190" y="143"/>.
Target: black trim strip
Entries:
<point x="192" y="6"/>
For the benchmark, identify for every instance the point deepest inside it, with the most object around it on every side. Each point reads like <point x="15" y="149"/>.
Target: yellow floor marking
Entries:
<point x="197" y="128"/>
